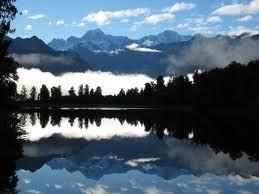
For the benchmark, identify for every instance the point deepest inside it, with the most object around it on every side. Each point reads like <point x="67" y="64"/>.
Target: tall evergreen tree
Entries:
<point x="91" y="92"/>
<point x="33" y="93"/>
<point x="8" y="66"/>
<point x="122" y="93"/>
<point x="72" y="92"/>
<point x="81" y="90"/>
<point x="44" y="93"/>
<point x="56" y="93"/>
<point x="86" y="90"/>
<point x="98" y="91"/>
<point x="23" y="93"/>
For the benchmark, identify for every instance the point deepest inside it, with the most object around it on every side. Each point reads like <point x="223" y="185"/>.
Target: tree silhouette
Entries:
<point x="44" y="93"/>
<point x="72" y="92"/>
<point x="98" y="91"/>
<point x="122" y="93"/>
<point x="86" y="90"/>
<point x="81" y="90"/>
<point x="160" y="86"/>
<point x="8" y="67"/>
<point x="148" y="90"/>
<point x="33" y="93"/>
<point x="23" y="93"/>
<point x="91" y="92"/>
<point x="56" y="93"/>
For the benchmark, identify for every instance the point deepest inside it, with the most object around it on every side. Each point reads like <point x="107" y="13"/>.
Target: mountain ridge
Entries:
<point x="109" y="42"/>
<point x="165" y="59"/>
<point x="34" y="53"/>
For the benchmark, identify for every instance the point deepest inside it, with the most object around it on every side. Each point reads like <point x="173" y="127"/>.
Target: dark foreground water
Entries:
<point x="113" y="152"/>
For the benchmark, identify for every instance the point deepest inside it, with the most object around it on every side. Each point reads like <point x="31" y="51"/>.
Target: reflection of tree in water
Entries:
<point x="55" y="120"/>
<point x="72" y="120"/>
<point x="80" y="122"/>
<point x="23" y="119"/>
<point x="11" y="149"/>
<point x="98" y="121"/>
<point x="91" y="120"/>
<point x="44" y="119"/>
<point x="86" y="123"/>
<point x="233" y="135"/>
<point x="121" y="120"/>
<point x="33" y="118"/>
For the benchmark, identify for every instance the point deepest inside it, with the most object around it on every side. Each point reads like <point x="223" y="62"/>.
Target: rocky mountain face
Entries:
<point x="34" y="53"/>
<point x="168" y="53"/>
<point x="98" y="40"/>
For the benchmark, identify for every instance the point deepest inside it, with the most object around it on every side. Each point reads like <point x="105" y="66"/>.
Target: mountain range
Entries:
<point x="167" y="53"/>
<point x="98" y="40"/>
<point x="34" y="53"/>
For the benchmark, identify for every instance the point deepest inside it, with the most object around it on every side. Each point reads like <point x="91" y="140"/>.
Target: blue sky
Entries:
<point x="50" y="19"/>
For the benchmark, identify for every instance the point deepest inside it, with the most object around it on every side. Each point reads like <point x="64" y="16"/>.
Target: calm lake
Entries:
<point x="135" y="151"/>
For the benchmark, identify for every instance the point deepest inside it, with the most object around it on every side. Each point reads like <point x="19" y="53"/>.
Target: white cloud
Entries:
<point x="202" y="30"/>
<point x="36" y="17"/>
<point x="242" y="29"/>
<point x="25" y="12"/>
<point x="125" y="20"/>
<point x="245" y="192"/>
<point x="104" y="17"/>
<point x="136" y="162"/>
<point x="92" y="133"/>
<point x="98" y="189"/>
<point x="213" y="191"/>
<point x="180" y="7"/>
<point x="27" y="181"/>
<point x="110" y="83"/>
<point x="238" y="8"/>
<point x="154" y="190"/>
<point x="28" y="27"/>
<point x="33" y="191"/>
<point x="58" y="186"/>
<point x="60" y="22"/>
<point x="155" y="19"/>
<point x="82" y="24"/>
<point x="136" y="47"/>
<point x="184" y="25"/>
<point x="245" y="18"/>
<point x="134" y="27"/>
<point x="200" y="25"/>
<point x="214" y="19"/>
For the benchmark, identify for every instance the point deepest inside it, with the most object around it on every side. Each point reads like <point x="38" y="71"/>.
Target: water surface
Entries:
<point x="95" y="152"/>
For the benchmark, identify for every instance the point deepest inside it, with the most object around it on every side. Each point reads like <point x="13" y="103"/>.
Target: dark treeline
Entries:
<point x="11" y="134"/>
<point x="234" y="85"/>
<point x="230" y="134"/>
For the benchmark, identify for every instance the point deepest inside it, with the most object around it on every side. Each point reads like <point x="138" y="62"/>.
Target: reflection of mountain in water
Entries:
<point x="167" y="158"/>
<point x="36" y="154"/>
<point x="120" y="155"/>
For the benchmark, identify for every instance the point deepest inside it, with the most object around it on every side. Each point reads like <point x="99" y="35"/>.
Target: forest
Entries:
<point x="236" y="85"/>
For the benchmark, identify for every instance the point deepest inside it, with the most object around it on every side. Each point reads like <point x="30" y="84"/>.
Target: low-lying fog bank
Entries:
<point x="109" y="82"/>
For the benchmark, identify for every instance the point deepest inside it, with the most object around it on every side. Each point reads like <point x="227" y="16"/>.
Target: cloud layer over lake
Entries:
<point x="109" y="82"/>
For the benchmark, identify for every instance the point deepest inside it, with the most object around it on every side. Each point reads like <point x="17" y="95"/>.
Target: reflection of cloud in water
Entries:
<point x="201" y="159"/>
<point x="136" y="162"/>
<point x="136" y="182"/>
<point x="109" y="128"/>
